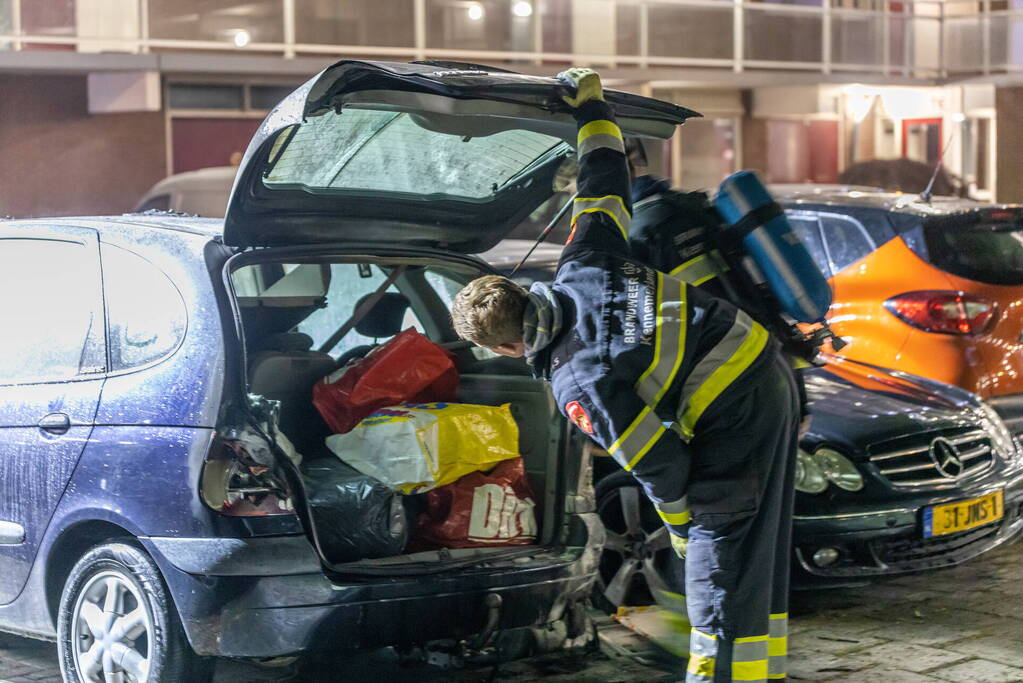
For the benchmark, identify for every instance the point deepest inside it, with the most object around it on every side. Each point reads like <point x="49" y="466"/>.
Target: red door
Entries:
<point x="204" y="142"/>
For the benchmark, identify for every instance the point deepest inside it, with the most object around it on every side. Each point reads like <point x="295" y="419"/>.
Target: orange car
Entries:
<point x="929" y="288"/>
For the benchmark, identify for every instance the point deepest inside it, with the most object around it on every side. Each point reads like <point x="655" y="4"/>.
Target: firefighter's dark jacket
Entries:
<point x="642" y="356"/>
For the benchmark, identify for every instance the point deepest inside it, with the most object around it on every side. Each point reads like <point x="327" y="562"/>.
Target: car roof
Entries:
<point x="793" y="196"/>
<point x="162" y="220"/>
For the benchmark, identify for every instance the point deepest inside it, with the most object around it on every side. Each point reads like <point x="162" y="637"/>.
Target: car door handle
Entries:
<point x="55" y="423"/>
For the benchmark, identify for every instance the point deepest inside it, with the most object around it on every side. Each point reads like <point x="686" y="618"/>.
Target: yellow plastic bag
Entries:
<point x="416" y="447"/>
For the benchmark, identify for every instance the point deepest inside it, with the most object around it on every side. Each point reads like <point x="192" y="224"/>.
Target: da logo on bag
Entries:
<point x="577" y="414"/>
<point x="498" y="514"/>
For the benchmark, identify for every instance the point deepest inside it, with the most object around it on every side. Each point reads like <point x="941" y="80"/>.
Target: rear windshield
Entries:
<point x="984" y="253"/>
<point x="392" y="152"/>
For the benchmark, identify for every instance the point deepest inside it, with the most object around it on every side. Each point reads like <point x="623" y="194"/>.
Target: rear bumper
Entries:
<point x="891" y="541"/>
<point x="236" y="609"/>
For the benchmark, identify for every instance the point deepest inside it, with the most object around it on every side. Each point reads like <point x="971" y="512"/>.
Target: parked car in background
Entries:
<point x="198" y="193"/>
<point x="931" y="288"/>
<point x="138" y="527"/>
<point x="897" y="474"/>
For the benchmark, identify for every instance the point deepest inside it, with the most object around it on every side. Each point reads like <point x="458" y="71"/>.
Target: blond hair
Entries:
<point x="488" y="311"/>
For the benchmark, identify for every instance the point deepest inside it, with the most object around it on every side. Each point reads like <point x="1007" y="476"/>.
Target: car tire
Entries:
<point x="117" y="587"/>
<point x="637" y="565"/>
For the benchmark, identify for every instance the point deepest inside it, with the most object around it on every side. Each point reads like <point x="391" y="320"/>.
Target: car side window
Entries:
<point x="52" y="310"/>
<point x="845" y="239"/>
<point x="806" y="226"/>
<point x="146" y="316"/>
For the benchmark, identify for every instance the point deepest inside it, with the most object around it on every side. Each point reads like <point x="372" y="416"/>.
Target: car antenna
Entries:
<point x="928" y="192"/>
<point x="546" y="231"/>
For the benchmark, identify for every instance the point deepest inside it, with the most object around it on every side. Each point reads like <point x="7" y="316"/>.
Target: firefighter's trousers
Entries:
<point x="737" y="563"/>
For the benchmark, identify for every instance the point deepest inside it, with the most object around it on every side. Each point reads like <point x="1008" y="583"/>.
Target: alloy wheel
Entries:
<point x="637" y="554"/>
<point x="111" y="629"/>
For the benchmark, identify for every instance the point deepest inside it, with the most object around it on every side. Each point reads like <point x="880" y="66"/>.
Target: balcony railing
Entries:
<point x="920" y="38"/>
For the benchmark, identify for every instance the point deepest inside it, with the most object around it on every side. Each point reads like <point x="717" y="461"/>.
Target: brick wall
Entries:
<point x="56" y="159"/>
<point x="1009" y="144"/>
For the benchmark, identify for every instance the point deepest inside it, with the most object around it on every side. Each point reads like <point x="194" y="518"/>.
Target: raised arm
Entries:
<point x="603" y="206"/>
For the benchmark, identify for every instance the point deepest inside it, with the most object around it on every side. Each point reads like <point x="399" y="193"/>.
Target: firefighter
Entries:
<point x="684" y="390"/>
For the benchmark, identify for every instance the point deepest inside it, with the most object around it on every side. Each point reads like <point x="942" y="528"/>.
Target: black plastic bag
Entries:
<point x="356" y="516"/>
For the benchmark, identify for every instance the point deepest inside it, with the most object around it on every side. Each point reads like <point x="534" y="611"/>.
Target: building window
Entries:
<point x="977" y="157"/>
<point x="205" y="96"/>
<point x="383" y="23"/>
<point x="236" y="23"/>
<point x="504" y="25"/>
<point x="268" y="96"/>
<point x="708" y="152"/>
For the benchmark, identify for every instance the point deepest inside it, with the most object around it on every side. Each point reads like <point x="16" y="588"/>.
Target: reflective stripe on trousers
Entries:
<point x="778" y="646"/>
<point x="703" y="652"/>
<point x="749" y="658"/>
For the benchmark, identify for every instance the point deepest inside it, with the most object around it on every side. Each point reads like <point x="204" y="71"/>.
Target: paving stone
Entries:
<point x="995" y="648"/>
<point x="980" y="671"/>
<point x="821" y="666"/>
<point x="832" y="640"/>
<point x="851" y="621"/>
<point x="903" y="592"/>
<point x="997" y="605"/>
<point x="916" y="658"/>
<point x="923" y="632"/>
<point x="881" y="674"/>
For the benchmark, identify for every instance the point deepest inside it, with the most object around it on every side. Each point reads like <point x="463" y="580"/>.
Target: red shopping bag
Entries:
<point x="409" y="368"/>
<point x="479" y="510"/>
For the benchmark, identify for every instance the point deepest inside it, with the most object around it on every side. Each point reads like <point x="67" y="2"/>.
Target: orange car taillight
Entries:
<point x="236" y="488"/>
<point x="944" y="312"/>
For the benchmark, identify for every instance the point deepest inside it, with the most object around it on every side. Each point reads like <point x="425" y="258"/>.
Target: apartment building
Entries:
<point x="101" y="98"/>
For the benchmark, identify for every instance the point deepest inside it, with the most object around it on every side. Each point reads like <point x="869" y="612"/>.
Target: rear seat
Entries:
<point x="285" y="370"/>
<point x="383" y="321"/>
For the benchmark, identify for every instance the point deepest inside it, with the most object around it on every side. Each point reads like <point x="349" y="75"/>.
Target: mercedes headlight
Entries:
<point x="810" y="478"/>
<point x="839" y="470"/>
<point x="815" y="470"/>
<point x="1000" y="434"/>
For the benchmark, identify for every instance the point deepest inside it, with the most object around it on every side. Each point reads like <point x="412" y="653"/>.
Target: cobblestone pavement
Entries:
<point x="963" y="624"/>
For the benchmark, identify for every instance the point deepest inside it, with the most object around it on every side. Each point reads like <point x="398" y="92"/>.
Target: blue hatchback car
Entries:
<point x="142" y="357"/>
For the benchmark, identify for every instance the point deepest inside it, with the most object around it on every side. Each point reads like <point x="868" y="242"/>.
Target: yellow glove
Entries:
<point x="679" y="544"/>
<point x="586" y="83"/>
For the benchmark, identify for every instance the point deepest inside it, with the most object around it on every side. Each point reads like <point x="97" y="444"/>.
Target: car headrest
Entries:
<point x="286" y="342"/>
<point x="386" y="316"/>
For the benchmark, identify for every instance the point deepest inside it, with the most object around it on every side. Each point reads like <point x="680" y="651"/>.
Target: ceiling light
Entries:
<point x="241" y="38"/>
<point x="475" y="12"/>
<point x="522" y="9"/>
